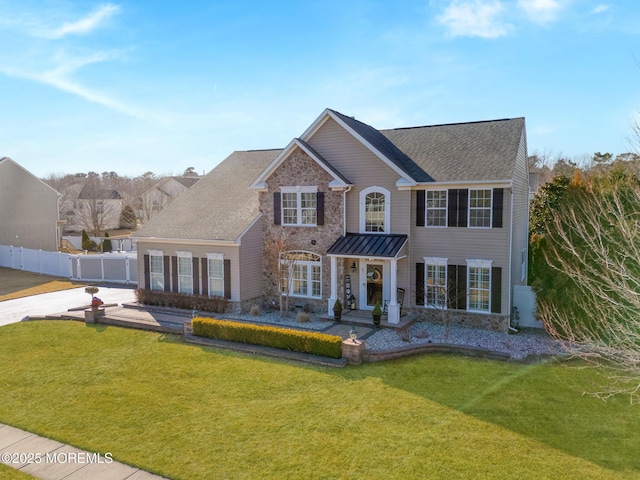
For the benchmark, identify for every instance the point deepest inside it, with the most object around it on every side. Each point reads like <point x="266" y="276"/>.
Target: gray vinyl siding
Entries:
<point x="250" y="267"/>
<point x="520" y="240"/>
<point x="363" y="169"/>
<point x="457" y="244"/>
<point x="199" y="251"/>
<point x="28" y="209"/>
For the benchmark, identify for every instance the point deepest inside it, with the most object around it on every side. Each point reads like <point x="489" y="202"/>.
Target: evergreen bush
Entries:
<point x="87" y="243"/>
<point x="274" y="337"/>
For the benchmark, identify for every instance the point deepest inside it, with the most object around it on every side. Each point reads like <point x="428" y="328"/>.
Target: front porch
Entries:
<point x="363" y="318"/>
<point x="364" y="273"/>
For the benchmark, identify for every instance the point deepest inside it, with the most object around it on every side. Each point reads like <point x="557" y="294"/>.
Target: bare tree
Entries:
<point x="97" y="206"/>
<point x="280" y="260"/>
<point x="593" y="303"/>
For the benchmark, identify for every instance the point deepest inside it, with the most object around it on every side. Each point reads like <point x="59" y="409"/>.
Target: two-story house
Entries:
<point x="28" y="209"/>
<point x="432" y="217"/>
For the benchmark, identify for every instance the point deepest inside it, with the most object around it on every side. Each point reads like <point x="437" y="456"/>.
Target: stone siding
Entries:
<point x="298" y="169"/>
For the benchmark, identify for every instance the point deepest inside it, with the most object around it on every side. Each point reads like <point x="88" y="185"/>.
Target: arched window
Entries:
<point x="301" y="274"/>
<point x="375" y="210"/>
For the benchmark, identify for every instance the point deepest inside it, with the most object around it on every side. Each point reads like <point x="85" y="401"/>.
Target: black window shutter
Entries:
<point x="452" y="285"/>
<point x="147" y="272"/>
<point x="462" y="287"/>
<point x="320" y="208"/>
<point x="420" y="207"/>
<point x="167" y="274"/>
<point x="496" y="290"/>
<point x="227" y="278"/>
<point x="420" y="283"/>
<point x="498" y="202"/>
<point x="276" y="209"/>
<point x="463" y="205"/>
<point x="452" y="207"/>
<point x="174" y="277"/>
<point x="196" y="276"/>
<point x="205" y="276"/>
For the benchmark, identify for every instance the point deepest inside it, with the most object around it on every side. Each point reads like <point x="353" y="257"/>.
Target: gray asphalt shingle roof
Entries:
<point x="386" y="147"/>
<point x="463" y="151"/>
<point x="219" y="206"/>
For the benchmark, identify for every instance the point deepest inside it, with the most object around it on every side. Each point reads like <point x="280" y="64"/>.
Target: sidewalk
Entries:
<point x="52" y="460"/>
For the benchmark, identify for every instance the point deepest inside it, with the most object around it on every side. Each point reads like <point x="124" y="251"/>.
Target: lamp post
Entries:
<point x="353" y="335"/>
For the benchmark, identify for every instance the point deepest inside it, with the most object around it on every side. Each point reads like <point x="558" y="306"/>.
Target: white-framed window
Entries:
<point x="375" y="211"/>
<point x="479" y="285"/>
<point x="215" y="264"/>
<point x="299" y="206"/>
<point x="156" y="270"/>
<point x="185" y="272"/>
<point x="436" y="208"/>
<point x="435" y="282"/>
<point x="480" y="208"/>
<point x="301" y="274"/>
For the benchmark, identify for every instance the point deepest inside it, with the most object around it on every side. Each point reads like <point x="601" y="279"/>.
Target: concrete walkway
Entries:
<point x="52" y="460"/>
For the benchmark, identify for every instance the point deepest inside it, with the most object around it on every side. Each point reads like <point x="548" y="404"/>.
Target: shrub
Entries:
<point x="128" y="218"/>
<point x="182" y="300"/>
<point x="255" y="311"/>
<point x="87" y="243"/>
<point x="106" y="243"/>
<point x="274" y="337"/>
<point x="303" y="317"/>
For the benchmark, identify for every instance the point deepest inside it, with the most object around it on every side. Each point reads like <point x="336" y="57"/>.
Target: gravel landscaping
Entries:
<point x="519" y="346"/>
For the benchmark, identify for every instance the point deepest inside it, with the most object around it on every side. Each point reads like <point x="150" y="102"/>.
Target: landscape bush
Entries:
<point x="182" y="300"/>
<point x="88" y="244"/>
<point x="274" y="337"/>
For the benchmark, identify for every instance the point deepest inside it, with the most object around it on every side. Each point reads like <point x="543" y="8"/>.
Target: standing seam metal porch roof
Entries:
<point x="368" y="245"/>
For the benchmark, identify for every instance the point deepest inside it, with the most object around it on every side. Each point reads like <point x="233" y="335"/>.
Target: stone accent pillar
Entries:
<point x="188" y="328"/>
<point x="353" y="351"/>
<point x="91" y="315"/>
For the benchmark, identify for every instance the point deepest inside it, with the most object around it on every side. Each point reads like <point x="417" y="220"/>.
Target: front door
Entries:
<point x="372" y="285"/>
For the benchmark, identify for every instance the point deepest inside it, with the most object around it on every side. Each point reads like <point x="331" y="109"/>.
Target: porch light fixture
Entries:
<point x="353" y="267"/>
<point x="353" y="335"/>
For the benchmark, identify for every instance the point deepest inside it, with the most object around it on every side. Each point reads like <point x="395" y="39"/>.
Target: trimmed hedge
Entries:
<point x="274" y="337"/>
<point x="182" y="300"/>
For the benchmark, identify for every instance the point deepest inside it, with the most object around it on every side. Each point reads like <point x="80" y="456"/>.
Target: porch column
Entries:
<point x="334" y="285"/>
<point x="393" y="309"/>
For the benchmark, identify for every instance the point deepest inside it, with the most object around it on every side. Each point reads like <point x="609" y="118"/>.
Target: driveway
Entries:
<point x="12" y="311"/>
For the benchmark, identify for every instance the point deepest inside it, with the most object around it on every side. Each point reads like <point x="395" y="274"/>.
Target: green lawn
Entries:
<point x="190" y="412"/>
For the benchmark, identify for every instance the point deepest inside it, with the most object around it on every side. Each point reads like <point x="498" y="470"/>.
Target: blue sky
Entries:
<point x="136" y="86"/>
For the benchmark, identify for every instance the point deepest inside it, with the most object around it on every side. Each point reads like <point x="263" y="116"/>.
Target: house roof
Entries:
<point x="475" y="151"/>
<point x="219" y="206"/>
<point x="385" y="147"/>
<point x="186" y="181"/>
<point x="368" y="245"/>
<point x="339" y="180"/>
<point x="103" y="194"/>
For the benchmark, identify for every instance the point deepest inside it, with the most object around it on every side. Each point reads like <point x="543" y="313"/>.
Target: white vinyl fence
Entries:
<point x="119" y="267"/>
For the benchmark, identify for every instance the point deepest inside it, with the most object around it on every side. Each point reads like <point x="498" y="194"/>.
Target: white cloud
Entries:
<point x="477" y="18"/>
<point x="600" y="9"/>
<point x="541" y="11"/>
<point x="85" y="25"/>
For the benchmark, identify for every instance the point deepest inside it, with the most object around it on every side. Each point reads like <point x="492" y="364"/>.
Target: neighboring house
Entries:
<point x="437" y="215"/>
<point x="88" y="207"/>
<point x="162" y="194"/>
<point x="28" y="209"/>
